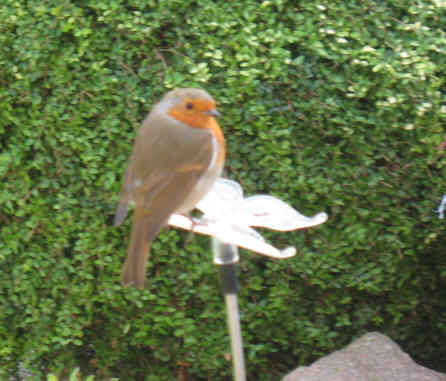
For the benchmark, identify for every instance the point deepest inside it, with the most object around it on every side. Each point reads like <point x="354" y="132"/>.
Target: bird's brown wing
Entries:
<point x="126" y="193"/>
<point x="157" y="150"/>
<point x="163" y="171"/>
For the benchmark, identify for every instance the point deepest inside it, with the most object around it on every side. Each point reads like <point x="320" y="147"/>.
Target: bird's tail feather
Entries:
<point x="120" y="213"/>
<point x="144" y="231"/>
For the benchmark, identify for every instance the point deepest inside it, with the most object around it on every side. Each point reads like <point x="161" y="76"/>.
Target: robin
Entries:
<point x="177" y="155"/>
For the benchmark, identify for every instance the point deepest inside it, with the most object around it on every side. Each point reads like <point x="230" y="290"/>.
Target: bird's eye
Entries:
<point x="189" y="105"/>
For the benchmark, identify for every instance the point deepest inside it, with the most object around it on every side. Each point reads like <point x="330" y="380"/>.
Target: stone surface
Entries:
<point x="373" y="357"/>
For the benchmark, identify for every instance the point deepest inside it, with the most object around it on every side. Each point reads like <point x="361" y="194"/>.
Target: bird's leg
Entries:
<point x="190" y="236"/>
<point x="194" y="222"/>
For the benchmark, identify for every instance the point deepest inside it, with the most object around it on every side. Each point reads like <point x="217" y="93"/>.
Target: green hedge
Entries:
<point x="331" y="106"/>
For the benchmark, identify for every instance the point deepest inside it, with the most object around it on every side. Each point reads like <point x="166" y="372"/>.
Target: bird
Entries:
<point x="177" y="155"/>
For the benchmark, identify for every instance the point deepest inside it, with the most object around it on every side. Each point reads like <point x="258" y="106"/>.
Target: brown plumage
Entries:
<point x="177" y="155"/>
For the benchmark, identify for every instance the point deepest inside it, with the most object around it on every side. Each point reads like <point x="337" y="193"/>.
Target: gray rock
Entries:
<point x="373" y="357"/>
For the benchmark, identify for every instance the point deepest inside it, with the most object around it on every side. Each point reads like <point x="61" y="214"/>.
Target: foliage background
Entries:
<point x="335" y="106"/>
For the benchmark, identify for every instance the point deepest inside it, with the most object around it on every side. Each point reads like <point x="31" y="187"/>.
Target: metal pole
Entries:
<point x="226" y="255"/>
<point x="235" y="333"/>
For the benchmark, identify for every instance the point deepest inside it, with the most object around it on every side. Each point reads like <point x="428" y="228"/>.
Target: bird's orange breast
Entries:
<point x="203" y="121"/>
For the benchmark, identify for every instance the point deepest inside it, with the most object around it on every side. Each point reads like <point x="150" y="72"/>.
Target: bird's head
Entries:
<point x="194" y="107"/>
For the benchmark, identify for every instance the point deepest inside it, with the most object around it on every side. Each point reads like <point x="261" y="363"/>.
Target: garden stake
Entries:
<point x="228" y="218"/>
<point x="225" y="257"/>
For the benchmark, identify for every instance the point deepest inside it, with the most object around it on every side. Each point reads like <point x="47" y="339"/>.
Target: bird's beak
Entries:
<point x="212" y="112"/>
